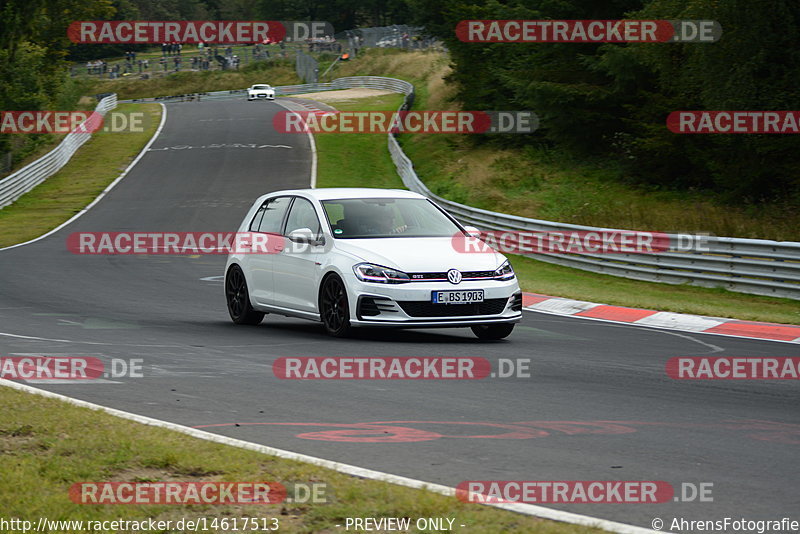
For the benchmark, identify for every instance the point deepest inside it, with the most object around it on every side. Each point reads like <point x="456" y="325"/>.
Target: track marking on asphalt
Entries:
<point x="312" y="144"/>
<point x="378" y="432"/>
<point x="73" y="382"/>
<point x="352" y="470"/>
<point x="36" y="338"/>
<point x="231" y="119"/>
<point x="216" y="145"/>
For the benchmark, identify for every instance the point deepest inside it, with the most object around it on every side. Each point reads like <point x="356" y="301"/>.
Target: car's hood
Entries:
<point x="415" y="254"/>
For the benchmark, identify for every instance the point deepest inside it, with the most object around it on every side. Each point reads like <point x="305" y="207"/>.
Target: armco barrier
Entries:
<point x="745" y="265"/>
<point x="17" y="184"/>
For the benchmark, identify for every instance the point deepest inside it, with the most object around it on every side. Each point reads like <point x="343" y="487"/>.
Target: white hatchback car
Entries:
<point x="368" y="257"/>
<point x="260" y="91"/>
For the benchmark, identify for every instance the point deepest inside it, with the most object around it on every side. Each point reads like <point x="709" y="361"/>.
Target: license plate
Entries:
<point x="457" y="297"/>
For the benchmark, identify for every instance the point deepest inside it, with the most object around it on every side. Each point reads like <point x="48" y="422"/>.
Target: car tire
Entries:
<point x="493" y="332"/>
<point x="333" y="307"/>
<point x="238" y="298"/>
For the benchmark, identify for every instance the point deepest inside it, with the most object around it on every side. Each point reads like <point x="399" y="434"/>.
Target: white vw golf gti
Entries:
<point x="368" y="257"/>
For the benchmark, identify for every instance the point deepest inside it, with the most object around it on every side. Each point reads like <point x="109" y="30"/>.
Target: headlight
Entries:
<point x="504" y="272"/>
<point x="367" y="272"/>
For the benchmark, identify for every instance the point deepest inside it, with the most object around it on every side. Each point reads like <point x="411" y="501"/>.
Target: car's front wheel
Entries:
<point x="333" y="307"/>
<point x="493" y="331"/>
<point x="238" y="297"/>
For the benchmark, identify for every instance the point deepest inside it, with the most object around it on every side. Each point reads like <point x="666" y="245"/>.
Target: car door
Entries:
<point x="295" y="268"/>
<point x="269" y="219"/>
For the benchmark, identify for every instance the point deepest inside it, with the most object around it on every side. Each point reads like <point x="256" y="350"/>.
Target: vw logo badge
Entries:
<point x="454" y="276"/>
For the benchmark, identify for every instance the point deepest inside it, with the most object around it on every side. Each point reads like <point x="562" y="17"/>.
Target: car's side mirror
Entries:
<point x="305" y="235"/>
<point x="471" y="230"/>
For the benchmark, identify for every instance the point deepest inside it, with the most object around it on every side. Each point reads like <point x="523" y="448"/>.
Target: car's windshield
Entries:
<point x="356" y="218"/>
<point x="262" y="87"/>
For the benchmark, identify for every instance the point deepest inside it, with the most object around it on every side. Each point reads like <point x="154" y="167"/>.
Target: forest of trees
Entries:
<point x="611" y="100"/>
<point x="605" y="101"/>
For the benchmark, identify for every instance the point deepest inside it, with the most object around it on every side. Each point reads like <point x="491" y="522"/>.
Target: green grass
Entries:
<point x="96" y="164"/>
<point x="547" y="184"/>
<point x="357" y="160"/>
<point x="46" y="446"/>
<point x="443" y="161"/>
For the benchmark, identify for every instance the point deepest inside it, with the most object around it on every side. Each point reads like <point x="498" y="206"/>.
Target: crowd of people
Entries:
<point x="172" y="55"/>
<point x="172" y="49"/>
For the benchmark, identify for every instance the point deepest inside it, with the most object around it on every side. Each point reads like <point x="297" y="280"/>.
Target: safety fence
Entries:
<point x="754" y="266"/>
<point x="17" y="184"/>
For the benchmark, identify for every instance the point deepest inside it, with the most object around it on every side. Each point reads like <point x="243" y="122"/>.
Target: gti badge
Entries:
<point x="454" y="276"/>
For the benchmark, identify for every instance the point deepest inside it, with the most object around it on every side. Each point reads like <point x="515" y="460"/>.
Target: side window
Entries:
<point x="303" y="215"/>
<point x="274" y="211"/>
<point x="257" y="219"/>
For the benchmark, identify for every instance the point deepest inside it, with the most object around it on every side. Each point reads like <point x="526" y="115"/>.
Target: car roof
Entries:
<point x="333" y="193"/>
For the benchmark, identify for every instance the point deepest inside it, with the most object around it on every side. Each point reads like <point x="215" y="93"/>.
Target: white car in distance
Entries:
<point x="353" y="257"/>
<point x="260" y="91"/>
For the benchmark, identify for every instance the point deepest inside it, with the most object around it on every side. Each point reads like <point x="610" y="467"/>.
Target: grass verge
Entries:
<point x="357" y="160"/>
<point x="96" y="164"/>
<point x="56" y="445"/>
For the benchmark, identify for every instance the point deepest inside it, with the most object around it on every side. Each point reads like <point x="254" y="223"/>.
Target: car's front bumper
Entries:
<point x="260" y="96"/>
<point x="397" y="305"/>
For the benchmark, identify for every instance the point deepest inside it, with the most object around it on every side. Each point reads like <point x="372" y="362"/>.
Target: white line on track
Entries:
<point x="352" y="470"/>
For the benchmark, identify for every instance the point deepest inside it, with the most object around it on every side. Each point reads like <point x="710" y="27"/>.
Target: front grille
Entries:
<point x="416" y="308"/>
<point x="466" y="275"/>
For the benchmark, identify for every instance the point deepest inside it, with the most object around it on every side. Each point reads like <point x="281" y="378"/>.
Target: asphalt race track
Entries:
<point x="597" y="406"/>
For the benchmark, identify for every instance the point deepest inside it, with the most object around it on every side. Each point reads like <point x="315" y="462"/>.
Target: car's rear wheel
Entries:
<point x="333" y="307"/>
<point x="493" y="331"/>
<point x="238" y="297"/>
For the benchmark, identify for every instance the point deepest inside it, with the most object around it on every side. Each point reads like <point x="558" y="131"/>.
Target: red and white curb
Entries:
<point x="660" y="319"/>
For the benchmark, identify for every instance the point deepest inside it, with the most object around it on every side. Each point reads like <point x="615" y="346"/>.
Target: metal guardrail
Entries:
<point x="17" y="184"/>
<point x="754" y="266"/>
